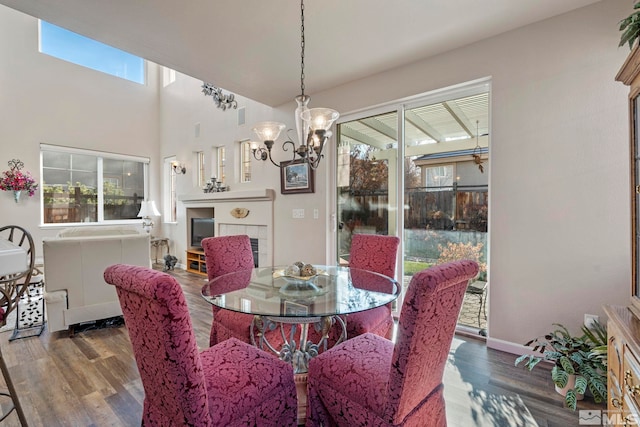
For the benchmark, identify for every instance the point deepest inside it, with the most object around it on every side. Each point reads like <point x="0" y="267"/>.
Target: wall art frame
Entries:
<point x="296" y="177"/>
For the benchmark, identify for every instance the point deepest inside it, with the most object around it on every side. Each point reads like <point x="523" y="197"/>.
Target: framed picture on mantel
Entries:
<point x="296" y="176"/>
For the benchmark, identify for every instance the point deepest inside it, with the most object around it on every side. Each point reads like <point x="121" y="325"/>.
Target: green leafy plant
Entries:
<point x="584" y="356"/>
<point x="630" y="27"/>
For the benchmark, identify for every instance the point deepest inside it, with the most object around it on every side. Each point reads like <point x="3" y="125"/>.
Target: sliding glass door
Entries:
<point x="432" y="190"/>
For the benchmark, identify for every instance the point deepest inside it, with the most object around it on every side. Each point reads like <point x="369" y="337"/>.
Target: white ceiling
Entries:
<point x="252" y="47"/>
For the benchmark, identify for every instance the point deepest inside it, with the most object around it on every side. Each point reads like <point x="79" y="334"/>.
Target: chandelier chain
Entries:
<point x="312" y="125"/>
<point x="302" y="47"/>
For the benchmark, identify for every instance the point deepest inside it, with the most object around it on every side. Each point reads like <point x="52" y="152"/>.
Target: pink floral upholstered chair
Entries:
<point x="378" y="254"/>
<point x="227" y="254"/>
<point x="367" y="381"/>
<point x="232" y="383"/>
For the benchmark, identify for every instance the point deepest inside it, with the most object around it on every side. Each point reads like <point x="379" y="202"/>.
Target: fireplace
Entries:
<point x="256" y="220"/>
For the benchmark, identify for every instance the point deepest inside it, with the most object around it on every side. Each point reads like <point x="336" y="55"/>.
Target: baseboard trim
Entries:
<point x="507" y="346"/>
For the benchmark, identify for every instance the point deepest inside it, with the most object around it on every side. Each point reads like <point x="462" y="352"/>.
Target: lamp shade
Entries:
<point x="269" y="131"/>
<point x="148" y="208"/>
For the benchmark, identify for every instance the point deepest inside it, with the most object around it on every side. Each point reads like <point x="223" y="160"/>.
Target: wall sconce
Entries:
<point x="147" y="210"/>
<point x="178" y="168"/>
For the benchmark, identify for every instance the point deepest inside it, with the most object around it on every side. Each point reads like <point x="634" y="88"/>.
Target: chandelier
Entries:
<point x="312" y="124"/>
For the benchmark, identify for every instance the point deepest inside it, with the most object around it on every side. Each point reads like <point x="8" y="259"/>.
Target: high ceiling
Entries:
<point x="252" y="47"/>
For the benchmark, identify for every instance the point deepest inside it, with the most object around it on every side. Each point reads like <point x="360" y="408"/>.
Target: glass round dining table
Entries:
<point x="277" y="299"/>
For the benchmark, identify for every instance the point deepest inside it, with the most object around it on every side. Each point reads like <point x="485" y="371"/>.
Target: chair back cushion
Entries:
<point x="375" y="253"/>
<point x="164" y="345"/>
<point x="225" y="254"/>
<point x="425" y="331"/>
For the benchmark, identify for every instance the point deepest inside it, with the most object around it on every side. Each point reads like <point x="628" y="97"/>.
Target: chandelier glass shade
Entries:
<point x="268" y="131"/>
<point x="312" y="124"/>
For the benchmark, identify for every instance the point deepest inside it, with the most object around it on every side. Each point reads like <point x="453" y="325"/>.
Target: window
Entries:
<point x="201" y="164"/>
<point x="80" y="50"/>
<point x="170" y="205"/>
<point x="81" y="186"/>
<point x="438" y="176"/>
<point x="222" y="175"/>
<point x="245" y="161"/>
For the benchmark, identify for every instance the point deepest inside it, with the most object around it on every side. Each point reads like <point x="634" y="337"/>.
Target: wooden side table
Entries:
<point x="158" y="243"/>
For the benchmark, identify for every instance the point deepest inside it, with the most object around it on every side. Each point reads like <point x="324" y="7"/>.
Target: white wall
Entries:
<point x="46" y="100"/>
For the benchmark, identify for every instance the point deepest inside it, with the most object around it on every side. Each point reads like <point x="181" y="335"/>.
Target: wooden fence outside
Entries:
<point x="73" y="207"/>
<point x="443" y="208"/>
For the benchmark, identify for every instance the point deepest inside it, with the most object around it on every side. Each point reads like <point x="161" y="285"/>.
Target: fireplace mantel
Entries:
<point x="266" y="194"/>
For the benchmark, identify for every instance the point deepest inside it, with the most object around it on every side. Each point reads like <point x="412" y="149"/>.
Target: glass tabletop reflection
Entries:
<point x="267" y="291"/>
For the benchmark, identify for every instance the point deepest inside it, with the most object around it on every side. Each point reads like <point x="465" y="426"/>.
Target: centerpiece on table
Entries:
<point x="17" y="181"/>
<point x="300" y="280"/>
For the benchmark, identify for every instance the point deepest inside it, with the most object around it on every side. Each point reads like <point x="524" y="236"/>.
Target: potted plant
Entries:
<point x="579" y="362"/>
<point x="630" y="27"/>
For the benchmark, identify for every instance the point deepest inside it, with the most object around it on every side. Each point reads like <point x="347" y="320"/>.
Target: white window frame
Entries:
<point x="447" y="182"/>
<point x="201" y="164"/>
<point x="245" y="161"/>
<point x="170" y="204"/>
<point x="100" y="155"/>
<point x="221" y="164"/>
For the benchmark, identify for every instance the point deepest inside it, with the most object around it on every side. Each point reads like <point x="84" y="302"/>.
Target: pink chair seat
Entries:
<point x="378" y="321"/>
<point x="245" y="385"/>
<point x="369" y="381"/>
<point x="230" y="324"/>
<point x="365" y="358"/>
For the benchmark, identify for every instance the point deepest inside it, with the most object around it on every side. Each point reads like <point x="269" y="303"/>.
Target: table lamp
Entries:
<point x="147" y="210"/>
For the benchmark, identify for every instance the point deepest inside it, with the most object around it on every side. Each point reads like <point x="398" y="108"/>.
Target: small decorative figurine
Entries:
<point x="169" y="262"/>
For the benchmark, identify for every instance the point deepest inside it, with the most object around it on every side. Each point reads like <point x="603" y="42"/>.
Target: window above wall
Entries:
<point x="63" y="44"/>
<point x="84" y="186"/>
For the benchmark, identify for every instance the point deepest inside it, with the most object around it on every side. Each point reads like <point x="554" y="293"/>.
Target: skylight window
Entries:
<point x="80" y="50"/>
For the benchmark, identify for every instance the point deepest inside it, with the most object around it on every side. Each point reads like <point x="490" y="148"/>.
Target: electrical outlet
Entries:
<point x="316" y="214"/>
<point x="589" y="320"/>
<point x="298" y="213"/>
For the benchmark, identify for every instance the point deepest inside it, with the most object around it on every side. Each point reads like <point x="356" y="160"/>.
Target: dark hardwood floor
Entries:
<point x="92" y="379"/>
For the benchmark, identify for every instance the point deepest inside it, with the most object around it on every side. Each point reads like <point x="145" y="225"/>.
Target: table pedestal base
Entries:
<point x="297" y="353"/>
<point x="301" y="391"/>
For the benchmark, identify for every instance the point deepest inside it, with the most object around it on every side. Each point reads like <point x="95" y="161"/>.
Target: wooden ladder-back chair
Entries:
<point x="12" y="286"/>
